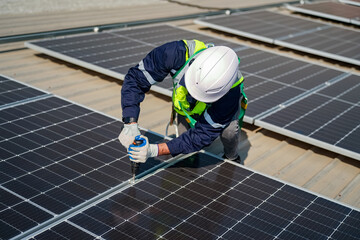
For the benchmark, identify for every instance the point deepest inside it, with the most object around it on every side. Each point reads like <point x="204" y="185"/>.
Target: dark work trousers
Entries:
<point x="229" y="136"/>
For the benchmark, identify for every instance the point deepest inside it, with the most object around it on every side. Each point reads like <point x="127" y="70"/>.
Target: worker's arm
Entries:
<point x="163" y="149"/>
<point x="151" y="70"/>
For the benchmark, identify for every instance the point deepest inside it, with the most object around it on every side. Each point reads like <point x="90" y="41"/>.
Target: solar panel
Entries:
<point x="56" y="156"/>
<point x="202" y="197"/>
<point x="12" y="92"/>
<point x="309" y="36"/>
<point x="327" y="117"/>
<point x="274" y="80"/>
<point x="351" y="2"/>
<point x="331" y="10"/>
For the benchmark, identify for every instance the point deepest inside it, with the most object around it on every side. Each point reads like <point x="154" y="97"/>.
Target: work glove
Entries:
<point x="142" y="152"/>
<point x="128" y="134"/>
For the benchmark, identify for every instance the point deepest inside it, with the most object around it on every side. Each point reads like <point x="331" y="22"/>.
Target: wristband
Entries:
<point x="127" y="120"/>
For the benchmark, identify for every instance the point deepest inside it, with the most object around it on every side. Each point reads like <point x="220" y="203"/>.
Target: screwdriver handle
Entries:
<point x="138" y="141"/>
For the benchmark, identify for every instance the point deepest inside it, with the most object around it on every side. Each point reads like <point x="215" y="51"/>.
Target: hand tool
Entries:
<point x="138" y="141"/>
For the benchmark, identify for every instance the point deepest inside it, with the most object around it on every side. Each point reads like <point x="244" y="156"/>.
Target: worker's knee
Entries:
<point x="231" y="131"/>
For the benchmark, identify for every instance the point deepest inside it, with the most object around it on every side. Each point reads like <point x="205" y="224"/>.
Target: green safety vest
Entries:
<point x="181" y="105"/>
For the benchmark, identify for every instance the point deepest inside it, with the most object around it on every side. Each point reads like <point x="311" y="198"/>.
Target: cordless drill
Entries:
<point x="138" y="142"/>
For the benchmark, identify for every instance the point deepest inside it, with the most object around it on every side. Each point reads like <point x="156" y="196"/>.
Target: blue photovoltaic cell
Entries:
<point x="330" y="115"/>
<point x="13" y="92"/>
<point x="203" y="197"/>
<point x="56" y="155"/>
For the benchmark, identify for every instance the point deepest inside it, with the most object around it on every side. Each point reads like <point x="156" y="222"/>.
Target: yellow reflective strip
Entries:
<point x="199" y="45"/>
<point x="187" y="52"/>
<point x="238" y="82"/>
<point x="199" y="108"/>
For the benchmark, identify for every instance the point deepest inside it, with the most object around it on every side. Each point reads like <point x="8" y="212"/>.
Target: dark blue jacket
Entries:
<point x="156" y="66"/>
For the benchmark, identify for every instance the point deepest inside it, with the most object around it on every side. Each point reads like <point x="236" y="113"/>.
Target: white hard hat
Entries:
<point x="212" y="74"/>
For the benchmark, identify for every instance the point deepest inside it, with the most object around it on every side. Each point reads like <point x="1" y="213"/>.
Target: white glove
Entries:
<point x="142" y="152"/>
<point x="128" y="134"/>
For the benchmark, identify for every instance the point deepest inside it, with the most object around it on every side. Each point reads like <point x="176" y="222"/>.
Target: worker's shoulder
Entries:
<point x="231" y="98"/>
<point x="174" y="44"/>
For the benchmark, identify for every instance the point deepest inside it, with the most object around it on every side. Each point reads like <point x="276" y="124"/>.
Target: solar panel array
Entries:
<point x="309" y="36"/>
<point x="272" y="80"/>
<point x="204" y="198"/>
<point x="55" y="156"/>
<point x="331" y="10"/>
<point x="63" y="175"/>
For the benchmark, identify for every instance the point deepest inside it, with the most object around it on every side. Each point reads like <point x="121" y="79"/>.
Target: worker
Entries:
<point x="207" y="97"/>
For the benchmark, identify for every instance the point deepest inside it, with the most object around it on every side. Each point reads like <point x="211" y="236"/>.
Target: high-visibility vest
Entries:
<point x="180" y="103"/>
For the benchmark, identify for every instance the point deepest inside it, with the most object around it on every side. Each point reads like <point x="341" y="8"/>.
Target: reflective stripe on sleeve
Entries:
<point x="211" y="122"/>
<point x="191" y="44"/>
<point x="146" y="73"/>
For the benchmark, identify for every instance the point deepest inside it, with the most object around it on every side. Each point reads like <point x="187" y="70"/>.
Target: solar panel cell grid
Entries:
<point x="316" y="118"/>
<point x="348" y="121"/>
<point x="350" y="226"/>
<point x="264" y="23"/>
<point x="267" y="85"/>
<point x="351" y="2"/>
<point x="12" y="92"/>
<point x="330" y="10"/>
<point x="56" y="155"/>
<point x="329" y="115"/>
<point x="347" y="90"/>
<point x="330" y="41"/>
<point x="213" y="199"/>
<point x="277" y="95"/>
<point x="297" y="33"/>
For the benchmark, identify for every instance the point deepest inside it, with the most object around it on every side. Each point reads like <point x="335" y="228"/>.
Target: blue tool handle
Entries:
<point x="138" y="142"/>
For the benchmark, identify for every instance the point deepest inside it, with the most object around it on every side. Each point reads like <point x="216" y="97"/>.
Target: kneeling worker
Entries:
<point x="208" y="97"/>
